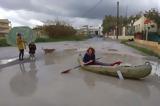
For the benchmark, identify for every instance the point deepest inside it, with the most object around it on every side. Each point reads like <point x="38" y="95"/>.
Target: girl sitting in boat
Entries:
<point x="89" y="59"/>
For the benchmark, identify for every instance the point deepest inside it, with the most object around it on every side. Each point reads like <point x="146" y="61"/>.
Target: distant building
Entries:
<point x="4" y="27"/>
<point x="84" y="30"/>
<point x="95" y="30"/>
<point x="143" y="24"/>
<point x="89" y="30"/>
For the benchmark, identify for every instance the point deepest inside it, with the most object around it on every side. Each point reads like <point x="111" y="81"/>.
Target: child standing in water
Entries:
<point x="21" y="45"/>
<point x="32" y="50"/>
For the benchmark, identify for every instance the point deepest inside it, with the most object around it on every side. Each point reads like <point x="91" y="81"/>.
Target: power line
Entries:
<point x="92" y="8"/>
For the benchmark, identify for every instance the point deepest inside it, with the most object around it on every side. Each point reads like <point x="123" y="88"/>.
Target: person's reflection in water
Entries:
<point x="49" y="59"/>
<point x="89" y="80"/>
<point x="138" y="87"/>
<point x="22" y="68"/>
<point x="33" y="70"/>
<point x="24" y="83"/>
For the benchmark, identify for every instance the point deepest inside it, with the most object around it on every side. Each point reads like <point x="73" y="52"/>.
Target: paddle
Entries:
<point x="68" y="70"/>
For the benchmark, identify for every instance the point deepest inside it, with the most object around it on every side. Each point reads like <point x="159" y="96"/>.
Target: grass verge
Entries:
<point x="142" y="49"/>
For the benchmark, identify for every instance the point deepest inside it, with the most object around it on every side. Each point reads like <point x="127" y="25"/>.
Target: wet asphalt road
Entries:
<point x="40" y="82"/>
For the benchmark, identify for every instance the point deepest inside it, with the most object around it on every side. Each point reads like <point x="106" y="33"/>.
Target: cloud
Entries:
<point x="34" y="22"/>
<point x="23" y="12"/>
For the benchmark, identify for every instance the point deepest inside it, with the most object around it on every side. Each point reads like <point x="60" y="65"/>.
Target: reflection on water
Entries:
<point x="12" y="61"/>
<point x="99" y="89"/>
<point x="22" y="68"/>
<point x="139" y="87"/>
<point x="7" y="61"/>
<point x="90" y="81"/>
<point x="49" y="59"/>
<point x="58" y="57"/>
<point x="24" y="83"/>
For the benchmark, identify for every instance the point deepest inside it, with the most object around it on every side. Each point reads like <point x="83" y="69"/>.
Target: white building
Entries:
<point x="143" y="24"/>
<point x="4" y="27"/>
<point x="90" y="30"/>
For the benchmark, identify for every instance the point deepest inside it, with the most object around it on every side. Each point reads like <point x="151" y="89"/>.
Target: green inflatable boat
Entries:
<point x="133" y="72"/>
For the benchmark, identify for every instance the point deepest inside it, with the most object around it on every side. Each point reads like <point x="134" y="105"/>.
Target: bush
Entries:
<point x="58" y="29"/>
<point x="3" y="42"/>
<point x="62" y="38"/>
<point x="43" y="40"/>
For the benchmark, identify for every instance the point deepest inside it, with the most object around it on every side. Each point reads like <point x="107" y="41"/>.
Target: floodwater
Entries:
<point x="40" y="82"/>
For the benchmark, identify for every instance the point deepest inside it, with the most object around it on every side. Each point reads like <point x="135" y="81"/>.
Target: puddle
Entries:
<point x="31" y="83"/>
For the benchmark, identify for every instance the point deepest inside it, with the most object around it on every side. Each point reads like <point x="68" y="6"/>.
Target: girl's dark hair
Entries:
<point x="92" y="49"/>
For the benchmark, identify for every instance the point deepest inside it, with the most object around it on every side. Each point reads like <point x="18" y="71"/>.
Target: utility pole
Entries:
<point x="126" y="11"/>
<point x="117" y="20"/>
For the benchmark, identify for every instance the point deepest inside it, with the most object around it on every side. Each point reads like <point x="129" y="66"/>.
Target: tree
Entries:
<point x="110" y="23"/>
<point x="57" y="28"/>
<point x="154" y="15"/>
<point x="132" y="19"/>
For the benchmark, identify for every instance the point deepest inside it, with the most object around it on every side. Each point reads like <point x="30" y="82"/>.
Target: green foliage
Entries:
<point x="62" y="38"/>
<point x="43" y="40"/>
<point x="110" y="23"/>
<point x="57" y="28"/>
<point x="153" y="14"/>
<point x="3" y="42"/>
<point x="132" y="19"/>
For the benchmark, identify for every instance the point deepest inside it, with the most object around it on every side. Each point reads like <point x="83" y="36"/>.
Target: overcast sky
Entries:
<point x="76" y="12"/>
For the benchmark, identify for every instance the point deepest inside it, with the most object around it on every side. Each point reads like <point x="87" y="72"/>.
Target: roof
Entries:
<point x="147" y="21"/>
<point x="143" y="20"/>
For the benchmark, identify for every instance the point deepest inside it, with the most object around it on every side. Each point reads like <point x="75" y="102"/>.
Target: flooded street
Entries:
<point x="40" y="82"/>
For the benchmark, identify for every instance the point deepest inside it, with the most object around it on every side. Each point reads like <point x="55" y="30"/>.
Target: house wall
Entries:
<point x="140" y="26"/>
<point x="85" y="30"/>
